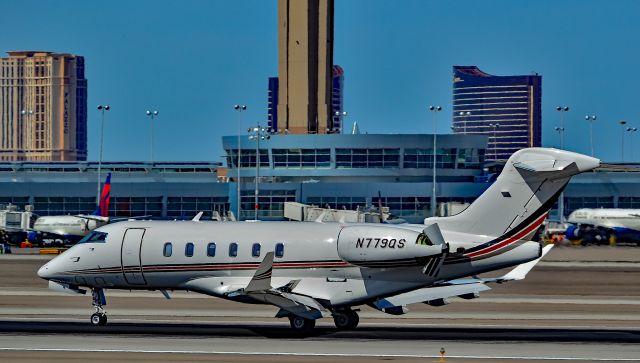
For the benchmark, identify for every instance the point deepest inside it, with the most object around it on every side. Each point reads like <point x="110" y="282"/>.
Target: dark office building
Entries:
<point x="506" y="108"/>
<point x="337" y="101"/>
<point x="272" y="103"/>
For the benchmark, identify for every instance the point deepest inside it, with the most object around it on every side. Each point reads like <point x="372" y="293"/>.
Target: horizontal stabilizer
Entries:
<point x="428" y="294"/>
<point x="543" y="165"/>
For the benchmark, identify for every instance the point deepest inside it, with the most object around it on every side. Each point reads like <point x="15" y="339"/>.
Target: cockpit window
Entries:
<point x="94" y="237"/>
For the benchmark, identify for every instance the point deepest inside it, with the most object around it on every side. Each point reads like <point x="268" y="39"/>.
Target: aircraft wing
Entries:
<point x="518" y="273"/>
<point x="464" y="288"/>
<point x="430" y="294"/>
<point x="259" y="288"/>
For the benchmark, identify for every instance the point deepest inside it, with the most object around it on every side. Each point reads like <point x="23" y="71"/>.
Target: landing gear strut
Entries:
<point x="346" y="319"/>
<point x="98" y="318"/>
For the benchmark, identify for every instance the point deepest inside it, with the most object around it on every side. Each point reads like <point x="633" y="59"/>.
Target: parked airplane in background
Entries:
<point x="311" y="270"/>
<point x="68" y="229"/>
<point x="604" y="226"/>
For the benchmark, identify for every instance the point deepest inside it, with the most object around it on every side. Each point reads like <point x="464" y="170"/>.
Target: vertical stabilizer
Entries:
<point x="105" y="198"/>
<point x="518" y="201"/>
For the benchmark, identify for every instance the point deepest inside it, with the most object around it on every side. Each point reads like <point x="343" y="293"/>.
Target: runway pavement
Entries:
<point x="579" y="305"/>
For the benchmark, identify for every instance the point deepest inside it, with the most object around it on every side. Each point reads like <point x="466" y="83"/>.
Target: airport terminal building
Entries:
<point x="338" y="171"/>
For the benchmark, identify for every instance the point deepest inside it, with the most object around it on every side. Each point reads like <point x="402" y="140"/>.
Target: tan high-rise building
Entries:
<point x="305" y="65"/>
<point x="43" y="107"/>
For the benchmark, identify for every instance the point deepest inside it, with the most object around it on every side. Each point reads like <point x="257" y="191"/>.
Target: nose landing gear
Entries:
<point x="98" y="318"/>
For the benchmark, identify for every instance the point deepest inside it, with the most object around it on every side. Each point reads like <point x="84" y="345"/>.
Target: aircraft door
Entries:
<point x="130" y="256"/>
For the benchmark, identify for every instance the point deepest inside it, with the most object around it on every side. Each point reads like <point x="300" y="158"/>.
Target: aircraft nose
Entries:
<point x="45" y="272"/>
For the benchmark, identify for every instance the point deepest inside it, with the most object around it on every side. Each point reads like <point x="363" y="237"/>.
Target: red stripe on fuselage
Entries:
<point x="510" y="240"/>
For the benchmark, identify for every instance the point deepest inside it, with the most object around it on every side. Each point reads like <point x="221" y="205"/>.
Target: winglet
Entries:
<point x="197" y="217"/>
<point x="261" y="280"/>
<point x="320" y="218"/>
<point x="521" y="271"/>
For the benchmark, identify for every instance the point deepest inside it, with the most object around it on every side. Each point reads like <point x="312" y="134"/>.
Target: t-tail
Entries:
<point x="105" y="198"/>
<point x="521" y="197"/>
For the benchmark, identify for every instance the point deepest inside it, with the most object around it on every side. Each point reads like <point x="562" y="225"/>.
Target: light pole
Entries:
<point x="102" y="109"/>
<point x="152" y="114"/>
<point x="562" y="110"/>
<point x="435" y="110"/>
<point x="622" y="123"/>
<point x="27" y="114"/>
<point x="560" y="129"/>
<point x="240" y="109"/>
<point x="341" y="115"/>
<point x="494" y="126"/>
<point x="560" y="132"/>
<point x="630" y="129"/>
<point x="590" y="119"/>
<point x="258" y="133"/>
<point x="465" y="117"/>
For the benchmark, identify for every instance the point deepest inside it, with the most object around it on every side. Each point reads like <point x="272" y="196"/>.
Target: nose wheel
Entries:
<point x="99" y="318"/>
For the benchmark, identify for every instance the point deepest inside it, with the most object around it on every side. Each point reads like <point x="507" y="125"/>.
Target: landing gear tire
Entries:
<point x="301" y="324"/>
<point x="346" y="320"/>
<point x="99" y="319"/>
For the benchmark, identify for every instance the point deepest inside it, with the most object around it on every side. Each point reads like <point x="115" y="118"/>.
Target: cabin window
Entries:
<point x="188" y="249"/>
<point x="167" y="250"/>
<point x="233" y="249"/>
<point x="279" y="249"/>
<point x="255" y="250"/>
<point x="211" y="249"/>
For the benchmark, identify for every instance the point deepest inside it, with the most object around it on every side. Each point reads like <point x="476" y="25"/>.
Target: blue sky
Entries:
<point x="193" y="60"/>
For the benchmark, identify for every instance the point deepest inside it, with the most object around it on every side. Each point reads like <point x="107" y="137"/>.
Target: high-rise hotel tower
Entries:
<point x="305" y="65"/>
<point x="43" y="107"/>
<point x="506" y="108"/>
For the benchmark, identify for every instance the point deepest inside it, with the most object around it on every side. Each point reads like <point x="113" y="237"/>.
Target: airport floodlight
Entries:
<point x="103" y="108"/>
<point x="239" y="108"/>
<point x="433" y="201"/>
<point x="257" y="133"/>
<point x="632" y="129"/>
<point x="590" y="119"/>
<point x="152" y="114"/>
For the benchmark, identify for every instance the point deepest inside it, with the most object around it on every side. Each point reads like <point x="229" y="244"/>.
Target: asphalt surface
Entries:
<point x="579" y="304"/>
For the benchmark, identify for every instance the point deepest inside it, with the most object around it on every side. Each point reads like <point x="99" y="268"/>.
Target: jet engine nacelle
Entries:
<point x="384" y="246"/>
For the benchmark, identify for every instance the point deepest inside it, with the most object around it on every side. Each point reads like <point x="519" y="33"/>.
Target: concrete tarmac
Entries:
<point x="579" y="304"/>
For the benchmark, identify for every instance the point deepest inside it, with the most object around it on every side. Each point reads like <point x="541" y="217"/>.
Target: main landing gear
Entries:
<point x="98" y="318"/>
<point x="299" y="323"/>
<point x="346" y="319"/>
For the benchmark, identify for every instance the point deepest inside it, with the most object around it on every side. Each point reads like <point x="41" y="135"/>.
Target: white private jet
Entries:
<point x="311" y="270"/>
